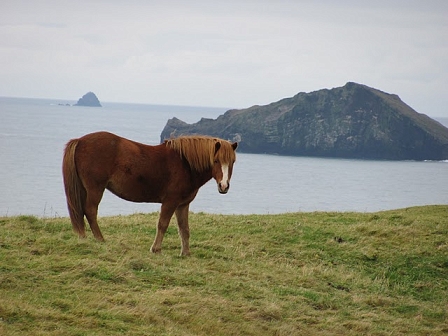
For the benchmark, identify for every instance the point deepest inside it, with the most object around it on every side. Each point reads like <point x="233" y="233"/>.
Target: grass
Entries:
<point x="382" y="273"/>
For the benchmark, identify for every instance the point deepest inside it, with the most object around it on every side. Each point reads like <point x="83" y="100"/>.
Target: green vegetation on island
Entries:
<point x="323" y="273"/>
<point x="353" y="121"/>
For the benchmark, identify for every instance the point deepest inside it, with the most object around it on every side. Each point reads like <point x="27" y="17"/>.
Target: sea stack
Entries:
<point x="89" y="99"/>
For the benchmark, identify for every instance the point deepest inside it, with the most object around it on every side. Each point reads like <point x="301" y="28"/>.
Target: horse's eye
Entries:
<point x="216" y="161"/>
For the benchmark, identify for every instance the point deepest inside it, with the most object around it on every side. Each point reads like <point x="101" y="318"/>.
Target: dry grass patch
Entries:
<point x="300" y="273"/>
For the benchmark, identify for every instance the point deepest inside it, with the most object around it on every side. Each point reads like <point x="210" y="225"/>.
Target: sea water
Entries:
<point x="33" y="133"/>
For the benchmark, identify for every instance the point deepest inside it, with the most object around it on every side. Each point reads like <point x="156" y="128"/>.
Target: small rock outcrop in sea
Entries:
<point x="353" y="121"/>
<point x="89" y="99"/>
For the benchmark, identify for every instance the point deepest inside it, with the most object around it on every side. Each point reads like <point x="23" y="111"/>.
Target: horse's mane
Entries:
<point x="199" y="150"/>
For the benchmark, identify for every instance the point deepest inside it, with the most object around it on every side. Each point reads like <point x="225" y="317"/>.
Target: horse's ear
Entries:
<point x="235" y="145"/>
<point x="217" y="146"/>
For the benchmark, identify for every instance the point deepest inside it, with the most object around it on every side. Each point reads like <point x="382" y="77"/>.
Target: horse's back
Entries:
<point x="106" y="148"/>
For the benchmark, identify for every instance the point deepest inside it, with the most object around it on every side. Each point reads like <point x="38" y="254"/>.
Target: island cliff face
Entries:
<point x="353" y="121"/>
<point x="89" y="99"/>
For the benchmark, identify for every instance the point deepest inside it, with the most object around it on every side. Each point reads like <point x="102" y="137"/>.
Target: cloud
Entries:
<point x="235" y="53"/>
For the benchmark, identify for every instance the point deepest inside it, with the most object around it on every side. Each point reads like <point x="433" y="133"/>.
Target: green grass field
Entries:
<point x="383" y="273"/>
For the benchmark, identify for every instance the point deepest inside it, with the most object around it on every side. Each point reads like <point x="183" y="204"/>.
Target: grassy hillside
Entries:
<point x="384" y="273"/>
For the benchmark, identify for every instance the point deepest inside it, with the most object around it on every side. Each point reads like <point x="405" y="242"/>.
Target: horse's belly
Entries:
<point x="135" y="193"/>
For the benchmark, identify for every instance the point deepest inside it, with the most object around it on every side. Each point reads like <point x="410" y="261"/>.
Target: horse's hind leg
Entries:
<point x="91" y="212"/>
<point x="184" y="230"/>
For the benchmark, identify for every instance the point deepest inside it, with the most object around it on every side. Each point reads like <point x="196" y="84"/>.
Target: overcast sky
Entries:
<point x="232" y="54"/>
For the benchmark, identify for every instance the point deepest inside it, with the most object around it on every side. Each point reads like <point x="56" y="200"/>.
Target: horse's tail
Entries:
<point x="74" y="189"/>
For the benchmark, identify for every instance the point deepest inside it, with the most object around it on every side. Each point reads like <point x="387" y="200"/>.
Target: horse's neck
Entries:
<point x="201" y="178"/>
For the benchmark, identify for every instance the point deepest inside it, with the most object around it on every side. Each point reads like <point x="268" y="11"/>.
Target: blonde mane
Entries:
<point x="199" y="151"/>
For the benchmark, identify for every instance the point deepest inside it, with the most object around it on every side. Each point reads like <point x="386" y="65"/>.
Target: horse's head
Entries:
<point x="223" y="164"/>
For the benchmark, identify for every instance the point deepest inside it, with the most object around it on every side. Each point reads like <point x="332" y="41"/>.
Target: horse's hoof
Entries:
<point x="154" y="250"/>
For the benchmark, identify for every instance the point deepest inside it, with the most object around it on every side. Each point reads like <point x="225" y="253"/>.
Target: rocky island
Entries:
<point x="89" y="99"/>
<point x="353" y="121"/>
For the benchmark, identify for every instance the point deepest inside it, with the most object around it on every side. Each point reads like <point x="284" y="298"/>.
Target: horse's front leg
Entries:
<point x="166" y="212"/>
<point x="184" y="230"/>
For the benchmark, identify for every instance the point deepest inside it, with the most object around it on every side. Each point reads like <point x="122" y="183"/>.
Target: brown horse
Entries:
<point x="170" y="173"/>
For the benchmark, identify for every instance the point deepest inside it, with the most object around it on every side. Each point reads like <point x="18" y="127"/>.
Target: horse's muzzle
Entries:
<point x="223" y="188"/>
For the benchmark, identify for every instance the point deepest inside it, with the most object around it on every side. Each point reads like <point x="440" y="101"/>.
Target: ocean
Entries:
<point x="33" y="133"/>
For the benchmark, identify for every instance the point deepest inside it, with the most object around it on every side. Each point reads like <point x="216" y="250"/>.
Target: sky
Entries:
<point x="231" y="54"/>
